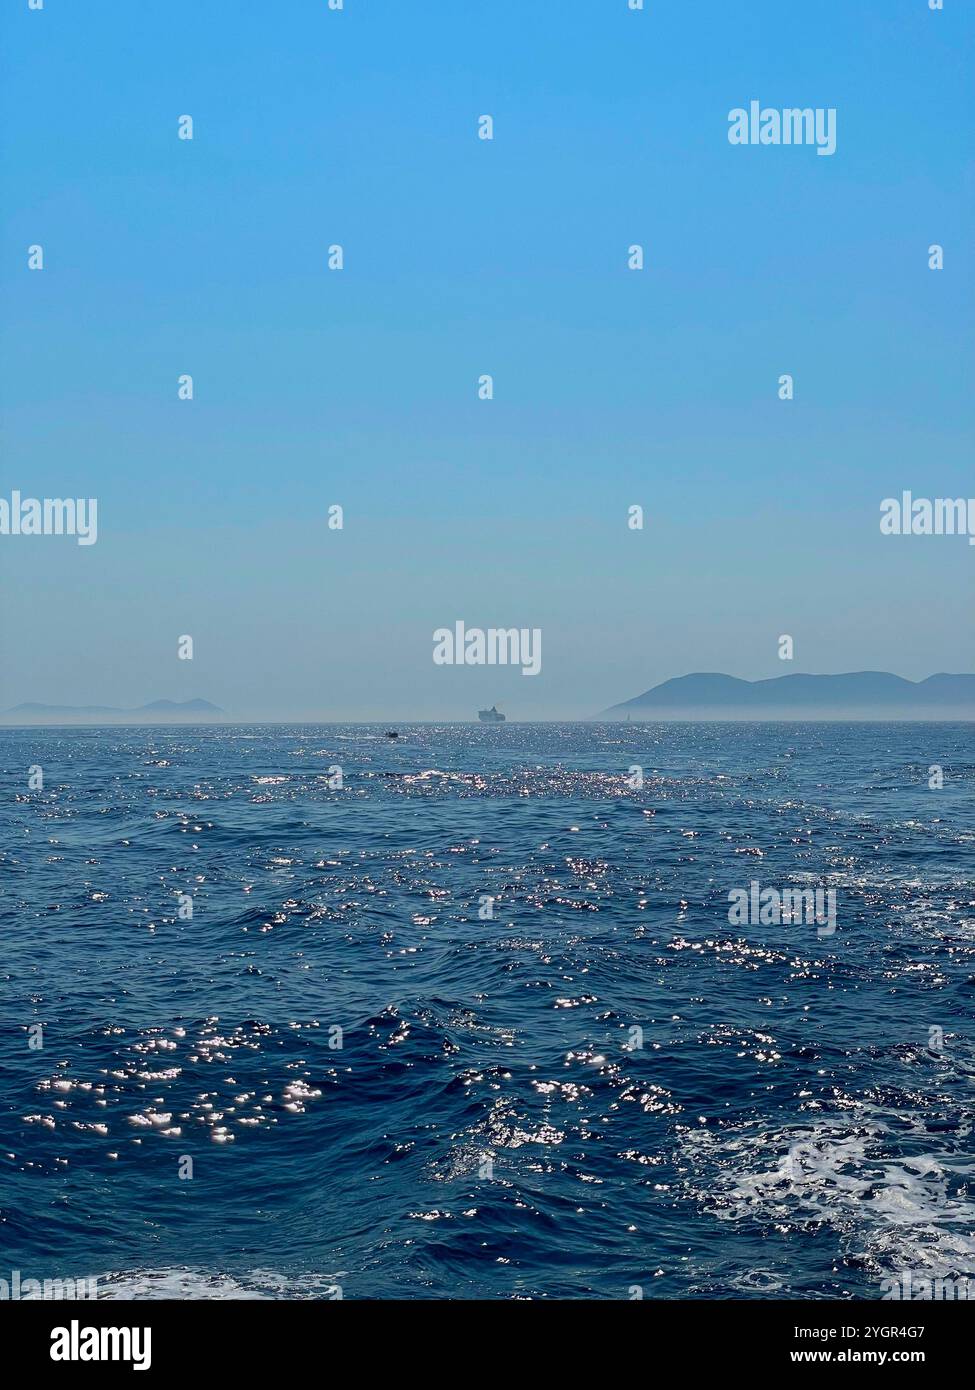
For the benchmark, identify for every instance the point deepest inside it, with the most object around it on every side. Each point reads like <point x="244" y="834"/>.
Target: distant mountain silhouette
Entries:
<point x="853" y="695"/>
<point x="159" y="711"/>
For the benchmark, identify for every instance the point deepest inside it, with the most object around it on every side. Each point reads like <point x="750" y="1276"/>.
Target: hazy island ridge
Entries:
<point x="156" y="712"/>
<point x="849" y="695"/>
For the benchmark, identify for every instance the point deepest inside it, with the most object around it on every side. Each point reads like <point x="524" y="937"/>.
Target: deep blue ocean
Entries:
<point x="602" y="1089"/>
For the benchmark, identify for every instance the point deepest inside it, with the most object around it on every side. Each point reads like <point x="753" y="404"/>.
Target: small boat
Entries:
<point x="391" y="733"/>
<point x="490" y="716"/>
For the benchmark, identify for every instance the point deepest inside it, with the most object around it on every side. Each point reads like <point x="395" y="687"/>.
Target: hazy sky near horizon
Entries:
<point x="463" y="256"/>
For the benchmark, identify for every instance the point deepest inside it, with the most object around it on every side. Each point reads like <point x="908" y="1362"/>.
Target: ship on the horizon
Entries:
<point x="490" y="716"/>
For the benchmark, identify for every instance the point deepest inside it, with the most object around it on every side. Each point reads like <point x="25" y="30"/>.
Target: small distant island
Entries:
<point x="852" y="695"/>
<point x="158" y="712"/>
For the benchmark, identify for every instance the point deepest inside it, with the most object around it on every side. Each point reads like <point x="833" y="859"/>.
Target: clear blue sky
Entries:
<point x="463" y="257"/>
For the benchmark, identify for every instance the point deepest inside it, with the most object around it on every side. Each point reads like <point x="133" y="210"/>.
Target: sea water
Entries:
<point x="475" y="1022"/>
